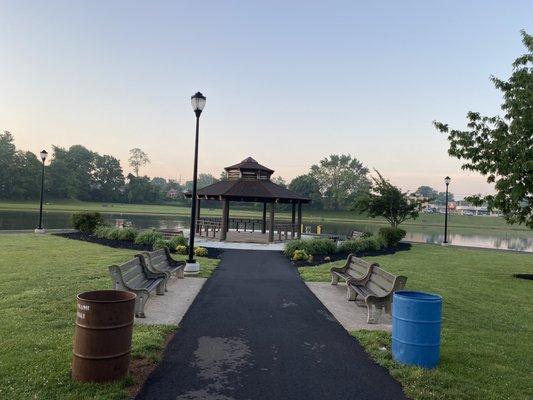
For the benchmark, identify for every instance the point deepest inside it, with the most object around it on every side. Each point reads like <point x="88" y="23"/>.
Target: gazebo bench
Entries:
<point x="160" y="261"/>
<point x="377" y="291"/>
<point x="355" y="270"/>
<point x="132" y="276"/>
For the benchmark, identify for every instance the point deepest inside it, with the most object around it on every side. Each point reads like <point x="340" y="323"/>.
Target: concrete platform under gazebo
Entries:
<point x="249" y="181"/>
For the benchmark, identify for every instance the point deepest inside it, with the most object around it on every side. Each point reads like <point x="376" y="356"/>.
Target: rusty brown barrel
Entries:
<point x="102" y="337"/>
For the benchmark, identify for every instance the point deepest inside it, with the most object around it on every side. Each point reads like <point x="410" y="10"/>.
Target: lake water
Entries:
<point x="521" y="240"/>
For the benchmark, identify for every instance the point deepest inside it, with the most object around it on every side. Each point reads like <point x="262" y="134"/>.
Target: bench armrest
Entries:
<point x="343" y="269"/>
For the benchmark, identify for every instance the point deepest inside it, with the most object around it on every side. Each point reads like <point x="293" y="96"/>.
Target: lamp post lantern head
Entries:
<point x="43" y="155"/>
<point x="447" y="180"/>
<point x="198" y="103"/>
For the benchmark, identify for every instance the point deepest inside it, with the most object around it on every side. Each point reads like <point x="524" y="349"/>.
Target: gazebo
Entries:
<point x="249" y="181"/>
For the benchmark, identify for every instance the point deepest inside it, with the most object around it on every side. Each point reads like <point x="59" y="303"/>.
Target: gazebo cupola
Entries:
<point x="248" y="169"/>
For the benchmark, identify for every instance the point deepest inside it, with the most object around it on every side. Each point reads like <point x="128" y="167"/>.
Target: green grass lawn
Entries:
<point x="487" y="332"/>
<point x="458" y="222"/>
<point x="41" y="276"/>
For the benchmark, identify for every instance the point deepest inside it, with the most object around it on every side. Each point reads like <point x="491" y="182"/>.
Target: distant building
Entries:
<point x="173" y="194"/>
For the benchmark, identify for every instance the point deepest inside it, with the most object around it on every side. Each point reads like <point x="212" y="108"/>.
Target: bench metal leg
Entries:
<point x="375" y="309"/>
<point x="181" y="273"/>
<point x="334" y="279"/>
<point x="160" y="289"/>
<point x="140" y="302"/>
<point x="351" y="294"/>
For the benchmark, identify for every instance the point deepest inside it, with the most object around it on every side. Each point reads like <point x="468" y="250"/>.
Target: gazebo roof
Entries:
<point x="245" y="188"/>
<point x="249" y="164"/>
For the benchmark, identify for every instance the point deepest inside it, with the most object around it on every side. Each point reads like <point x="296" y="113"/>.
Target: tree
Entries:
<point x="140" y="190"/>
<point x="7" y="157"/>
<point x="440" y="198"/>
<point x="426" y="192"/>
<point x="306" y="185"/>
<point x="501" y="148"/>
<point x="278" y="180"/>
<point x="138" y="158"/>
<point x="202" y="181"/>
<point x="341" y="180"/>
<point x="71" y="172"/>
<point x="108" y="178"/>
<point x="388" y="201"/>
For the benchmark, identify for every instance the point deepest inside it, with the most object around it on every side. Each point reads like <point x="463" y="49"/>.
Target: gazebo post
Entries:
<point x="263" y="229"/>
<point x="271" y="223"/>
<point x="293" y="220"/>
<point x="225" y="213"/>
<point x="198" y="203"/>
<point x="299" y="220"/>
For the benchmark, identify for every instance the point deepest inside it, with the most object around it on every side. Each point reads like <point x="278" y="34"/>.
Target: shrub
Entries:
<point x="86" y="221"/>
<point x="200" y="251"/>
<point x="113" y="234"/>
<point x="316" y="246"/>
<point x="300" y="255"/>
<point x="181" y="249"/>
<point x="392" y="236"/>
<point x="101" y="231"/>
<point x="160" y="244"/>
<point x="148" y="238"/>
<point x="178" y="241"/>
<point x="362" y="244"/>
<point x="128" y="234"/>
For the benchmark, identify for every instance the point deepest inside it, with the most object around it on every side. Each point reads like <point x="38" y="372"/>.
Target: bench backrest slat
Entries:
<point x="358" y="268"/>
<point x="157" y="260"/>
<point x="381" y="282"/>
<point x="132" y="272"/>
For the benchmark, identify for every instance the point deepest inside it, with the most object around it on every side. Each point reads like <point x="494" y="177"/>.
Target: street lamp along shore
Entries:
<point x="447" y="181"/>
<point x="40" y="228"/>
<point x="191" y="266"/>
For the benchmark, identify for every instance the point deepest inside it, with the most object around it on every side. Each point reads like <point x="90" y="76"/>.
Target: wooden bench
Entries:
<point x="355" y="270"/>
<point x="377" y="291"/>
<point x="132" y="276"/>
<point x="160" y="261"/>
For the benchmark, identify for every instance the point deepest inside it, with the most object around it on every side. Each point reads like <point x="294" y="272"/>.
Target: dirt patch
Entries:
<point x="141" y="368"/>
<point x="318" y="260"/>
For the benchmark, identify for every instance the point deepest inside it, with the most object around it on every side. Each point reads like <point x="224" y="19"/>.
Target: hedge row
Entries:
<point x="303" y="249"/>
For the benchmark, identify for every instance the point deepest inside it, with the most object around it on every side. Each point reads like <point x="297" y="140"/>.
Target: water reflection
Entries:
<point x="516" y="240"/>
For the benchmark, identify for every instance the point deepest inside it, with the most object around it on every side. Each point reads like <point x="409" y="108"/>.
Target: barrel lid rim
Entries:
<point x="78" y="296"/>
<point x="418" y="296"/>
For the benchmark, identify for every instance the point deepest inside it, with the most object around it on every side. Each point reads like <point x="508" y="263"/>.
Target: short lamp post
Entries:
<point x="40" y="228"/>
<point x="447" y="182"/>
<point x="191" y="266"/>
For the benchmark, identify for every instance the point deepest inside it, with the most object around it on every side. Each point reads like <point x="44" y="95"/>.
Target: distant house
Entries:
<point x="173" y="194"/>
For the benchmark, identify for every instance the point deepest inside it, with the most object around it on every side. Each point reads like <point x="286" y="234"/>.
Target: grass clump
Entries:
<point x="148" y="238"/>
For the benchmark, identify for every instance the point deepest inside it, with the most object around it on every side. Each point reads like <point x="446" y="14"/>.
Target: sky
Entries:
<point x="287" y="82"/>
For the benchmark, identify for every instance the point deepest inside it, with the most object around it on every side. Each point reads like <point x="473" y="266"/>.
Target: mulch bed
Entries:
<point x="117" y="244"/>
<point x="318" y="260"/>
<point x="120" y="244"/>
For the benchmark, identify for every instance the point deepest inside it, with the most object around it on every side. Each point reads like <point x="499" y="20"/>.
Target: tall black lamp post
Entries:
<point x="447" y="182"/>
<point x="40" y="228"/>
<point x="198" y="104"/>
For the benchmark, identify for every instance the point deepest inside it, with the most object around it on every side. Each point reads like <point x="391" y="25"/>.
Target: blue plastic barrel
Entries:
<point x="416" y="321"/>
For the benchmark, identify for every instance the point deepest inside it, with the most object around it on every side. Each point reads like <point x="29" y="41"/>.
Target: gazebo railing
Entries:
<point x="208" y="228"/>
<point x="286" y="231"/>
